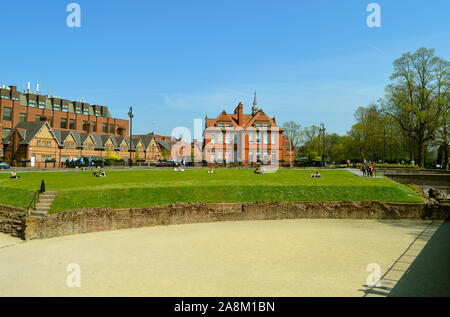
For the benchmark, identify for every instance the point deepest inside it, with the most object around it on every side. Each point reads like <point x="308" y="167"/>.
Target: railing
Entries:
<point x="32" y="205"/>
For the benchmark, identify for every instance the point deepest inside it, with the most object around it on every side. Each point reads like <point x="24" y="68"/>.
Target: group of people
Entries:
<point x="367" y="170"/>
<point x="316" y="175"/>
<point x="101" y="173"/>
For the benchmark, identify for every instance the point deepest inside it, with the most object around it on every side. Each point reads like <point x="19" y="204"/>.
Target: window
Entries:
<point x="220" y="138"/>
<point x="213" y="156"/>
<point x="65" y="108"/>
<point x="105" y="128"/>
<point x="274" y="157"/>
<point x="23" y="117"/>
<point x="78" y="109"/>
<point x="235" y="137"/>
<point x="258" y="138"/>
<point x="5" y="97"/>
<point x="63" y="124"/>
<point x="235" y="156"/>
<point x="86" y="111"/>
<point x="15" y="98"/>
<point x="56" y="107"/>
<point x="266" y="125"/>
<point x="213" y="138"/>
<point x="227" y="138"/>
<point x="7" y="114"/>
<point x="250" y="138"/>
<point x="98" y="112"/>
<point x="111" y="128"/>
<point x="38" y="118"/>
<point x="258" y="155"/>
<point x="266" y="138"/>
<point x="266" y="157"/>
<point x="274" y="138"/>
<point x="227" y="156"/>
<point x="220" y="157"/>
<point x="41" y="105"/>
<point x="5" y="132"/>
<point x="250" y="157"/>
<point x="32" y="103"/>
<point x="258" y="125"/>
<point x="228" y="125"/>
<point x="94" y="126"/>
<point x="72" y="124"/>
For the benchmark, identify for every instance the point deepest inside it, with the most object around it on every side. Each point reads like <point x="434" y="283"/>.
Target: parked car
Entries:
<point x="166" y="164"/>
<point x="4" y="166"/>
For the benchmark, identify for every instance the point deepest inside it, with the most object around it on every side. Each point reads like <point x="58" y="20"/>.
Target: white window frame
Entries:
<point x="213" y="138"/>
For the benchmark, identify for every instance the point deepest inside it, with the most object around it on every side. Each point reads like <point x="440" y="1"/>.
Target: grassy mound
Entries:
<point x="149" y="188"/>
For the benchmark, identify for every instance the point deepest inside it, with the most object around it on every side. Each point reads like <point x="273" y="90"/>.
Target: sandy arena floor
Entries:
<point x="267" y="258"/>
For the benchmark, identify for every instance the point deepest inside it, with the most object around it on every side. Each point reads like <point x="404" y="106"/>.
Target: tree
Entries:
<point x="293" y="133"/>
<point x="416" y="98"/>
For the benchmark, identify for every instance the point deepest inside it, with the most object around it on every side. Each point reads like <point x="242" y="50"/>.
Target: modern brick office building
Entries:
<point x="62" y="114"/>
<point x="245" y="138"/>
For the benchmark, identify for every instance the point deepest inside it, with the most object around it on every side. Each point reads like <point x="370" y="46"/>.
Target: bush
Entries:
<point x="114" y="162"/>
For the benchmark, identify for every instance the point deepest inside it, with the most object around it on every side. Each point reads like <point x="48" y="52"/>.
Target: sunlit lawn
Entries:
<point x="159" y="187"/>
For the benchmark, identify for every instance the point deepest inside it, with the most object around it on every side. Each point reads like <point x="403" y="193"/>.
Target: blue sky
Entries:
<point x="174" y="61"/>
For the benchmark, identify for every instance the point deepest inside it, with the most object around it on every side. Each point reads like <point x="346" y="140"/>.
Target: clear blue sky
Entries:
<point x="174" y="61"/>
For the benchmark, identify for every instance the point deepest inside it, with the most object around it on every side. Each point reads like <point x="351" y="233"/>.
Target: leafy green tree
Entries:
<point x="418" y="96"/>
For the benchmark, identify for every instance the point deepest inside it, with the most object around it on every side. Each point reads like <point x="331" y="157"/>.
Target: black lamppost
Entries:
<point x="131" y="116"/>
<point x="322" y="129"/>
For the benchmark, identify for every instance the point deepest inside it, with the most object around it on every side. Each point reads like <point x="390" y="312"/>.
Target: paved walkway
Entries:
<point x="255" y="258"/>
<point x="359" y="173"/>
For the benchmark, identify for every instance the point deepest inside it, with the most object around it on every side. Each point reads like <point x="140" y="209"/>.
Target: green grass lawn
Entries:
<point x="149" y="188"/>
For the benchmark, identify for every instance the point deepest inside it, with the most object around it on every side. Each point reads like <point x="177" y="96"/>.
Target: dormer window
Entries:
<point x="220" y="125"/>
<point x="258" y="125"/>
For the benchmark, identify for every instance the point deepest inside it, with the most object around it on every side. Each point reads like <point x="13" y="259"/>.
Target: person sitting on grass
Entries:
<point x="260" y="170"/>
<point x="318" y="175"/>
<point x="14" y="175"/>
<point x="102" y="173"/>
<point x="178" y="169"/>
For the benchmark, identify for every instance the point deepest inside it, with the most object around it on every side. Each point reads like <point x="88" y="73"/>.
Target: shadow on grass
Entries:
<point x="422" y="270"/>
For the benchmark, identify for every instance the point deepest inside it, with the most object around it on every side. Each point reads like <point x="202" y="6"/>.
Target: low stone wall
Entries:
<point x="12" y="220"/>
<point x="104" y="219"/>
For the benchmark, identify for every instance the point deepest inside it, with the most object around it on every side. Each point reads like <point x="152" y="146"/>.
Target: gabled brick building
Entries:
<point x="245" y="138"/>
<point x="37" y="142"/>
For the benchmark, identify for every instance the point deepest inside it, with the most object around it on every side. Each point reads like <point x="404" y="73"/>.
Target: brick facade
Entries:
<point x="245" y="138"/>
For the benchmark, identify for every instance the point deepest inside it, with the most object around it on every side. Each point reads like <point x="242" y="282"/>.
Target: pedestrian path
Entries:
<point x="359" y="173"/>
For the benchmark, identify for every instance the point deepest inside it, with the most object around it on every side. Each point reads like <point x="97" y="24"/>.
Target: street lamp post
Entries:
<point x="131" y="116"/>
<point x="322" y="129"/>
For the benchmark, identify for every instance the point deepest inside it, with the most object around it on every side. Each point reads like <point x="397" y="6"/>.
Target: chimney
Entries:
<point x="13" y="88"/>
<point x="240" y="113"/>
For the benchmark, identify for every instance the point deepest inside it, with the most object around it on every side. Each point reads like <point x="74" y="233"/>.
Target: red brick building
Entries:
<point x="245" y="138"/>
<point x="61" y="114"/>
